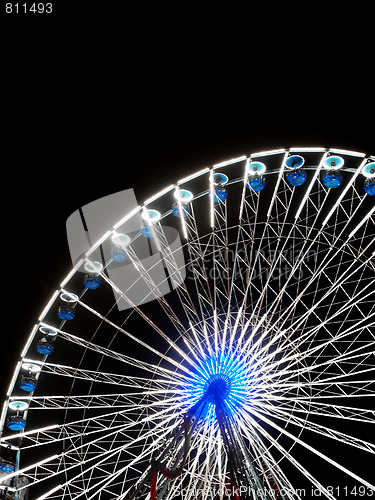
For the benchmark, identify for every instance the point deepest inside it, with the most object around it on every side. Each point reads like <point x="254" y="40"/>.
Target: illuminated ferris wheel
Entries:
<point x="216" y="342"/>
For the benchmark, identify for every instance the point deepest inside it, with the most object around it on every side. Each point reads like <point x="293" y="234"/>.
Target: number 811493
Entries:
<point x="24" y="8"/>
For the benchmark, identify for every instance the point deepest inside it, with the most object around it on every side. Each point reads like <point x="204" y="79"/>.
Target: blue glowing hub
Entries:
<point x="224" y="379"/>
<point x="217" y="388"/>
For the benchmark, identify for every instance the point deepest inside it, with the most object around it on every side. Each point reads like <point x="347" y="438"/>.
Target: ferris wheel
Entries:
<point x="216" y="342"/>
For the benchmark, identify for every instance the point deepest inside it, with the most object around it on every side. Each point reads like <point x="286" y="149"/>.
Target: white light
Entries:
<point x="294" y="162"/>
<point x="158" y="195"/>
<point x="47" y="330"/>
<point x="343" y="193"/>
<point x="32" y="466"/>
<point x="14" y="378"/>
<point x="98" y="243"/>
<point x="310" y="186"/>
<point x="44" y="328"/>
<point x="127" y="217"/>
<point x="277" y="183"/>
<point x="220" y="179"/>
<point x="246" y="175"/>
<point x="94" y="267"/>
<point x="333" y="162"/>
<point x="268" y="153"/>
<point x="151" y="216"/>
<point x="368" y="170"/>
<point x="229" y="162"/>
<point x="186" y="195"/>
<point x="256" y="167"/>
<point x="212" y="199"/>
<point x="183" y="195"/>
<point x="120" y="239"/>
<point x="29" y="340"/>
<point x="48" y="306"/>
<point x="346" y="152"/>
<point x="307" y="150"/>
<point x="3" y="416"/>
<point x="68" y="297"/>
<point x="361" y="223"/>
<point x="9" y="446"/>
<point x="71" y="273"/>
<point x="193" y="176"/>
<point x="46" y="495"/>
<point x="18" y="405"/>
<point x="31" y="367"/>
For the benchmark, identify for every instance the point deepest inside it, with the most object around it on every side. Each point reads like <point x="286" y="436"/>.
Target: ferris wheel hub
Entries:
<point x="218" y="388"/>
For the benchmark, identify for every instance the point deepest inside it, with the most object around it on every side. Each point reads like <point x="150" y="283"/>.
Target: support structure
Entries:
<point x="244" y="481"/>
